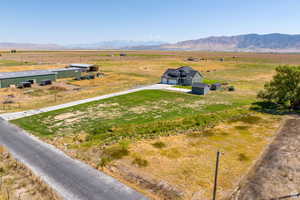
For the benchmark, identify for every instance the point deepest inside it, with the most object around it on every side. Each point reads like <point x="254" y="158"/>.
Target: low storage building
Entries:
<point x="85" y="67"/>
<point x="35" y="76"/>
<point x="216" y="86"/>
<point x="71" y="72"/>
<point x="200" y="88"/>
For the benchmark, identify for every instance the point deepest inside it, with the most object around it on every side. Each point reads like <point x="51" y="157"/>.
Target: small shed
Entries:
<point x="71" y="72"/>
<point x="85" y="67"/>
<point x="33" y="76"/>
<point x="216" y="86"/>
<point x="200" y="88"/>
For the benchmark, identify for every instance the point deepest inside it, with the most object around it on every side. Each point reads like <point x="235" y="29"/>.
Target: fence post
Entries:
<point x="216" y="176"/>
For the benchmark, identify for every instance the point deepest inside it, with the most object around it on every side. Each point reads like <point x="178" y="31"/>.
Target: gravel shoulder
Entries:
<point x="277" y="174"/>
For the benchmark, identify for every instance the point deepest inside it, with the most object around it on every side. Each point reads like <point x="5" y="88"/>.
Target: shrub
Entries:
<point x="242" y="127"/>
<point x="116" y="152"/>
<point x="159" y="145"/>
<point x="140" y="162"/>
<point x="231" y="88"/>
<point x="103" y="162"/>
<point x="243" y="157"/>
<point x="113" y="153"/>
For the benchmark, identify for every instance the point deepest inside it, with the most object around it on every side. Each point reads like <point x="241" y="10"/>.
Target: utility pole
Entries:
<point x="216" y="176"/>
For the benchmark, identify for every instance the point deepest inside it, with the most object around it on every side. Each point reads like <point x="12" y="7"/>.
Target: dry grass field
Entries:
<point x="187" y="161"/>
<point x="161" y="143"/>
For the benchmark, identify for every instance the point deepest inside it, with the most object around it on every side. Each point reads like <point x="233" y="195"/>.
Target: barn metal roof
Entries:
<point x="81" y="65"/>
<point x="64" y="69"/>
<point x="7" y="75"/>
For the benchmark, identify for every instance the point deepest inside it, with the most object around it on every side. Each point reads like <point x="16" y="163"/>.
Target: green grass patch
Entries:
<point x="139" y="115"/>
<point x="8" y="63"/>
<point x="208" y="81"/>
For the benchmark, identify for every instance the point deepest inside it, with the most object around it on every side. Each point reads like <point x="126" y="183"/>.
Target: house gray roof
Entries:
<point x="64" y="69"/>
<point x="171" y="73"/>
<point x="185" y="68"/>
<point x="7" y="75"/>
<point x="200" y="85"/>
<point x="182" y="72"/>
<point x="79" y="65"/>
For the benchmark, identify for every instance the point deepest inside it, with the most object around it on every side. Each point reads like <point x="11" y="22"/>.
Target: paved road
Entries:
<point x="72" y="179"/>
<point x="17" y="115"/>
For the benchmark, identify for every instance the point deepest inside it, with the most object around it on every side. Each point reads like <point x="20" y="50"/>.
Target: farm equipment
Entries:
<point x="24" y="85"/>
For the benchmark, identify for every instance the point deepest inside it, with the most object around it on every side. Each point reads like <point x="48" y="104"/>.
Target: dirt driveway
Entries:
<point x="277" y="174"/>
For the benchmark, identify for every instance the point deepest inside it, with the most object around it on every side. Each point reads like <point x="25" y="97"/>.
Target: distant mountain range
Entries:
<point x="249" y="43"/>
<point x="115" y="44"/>
<point x="29" y="46"/>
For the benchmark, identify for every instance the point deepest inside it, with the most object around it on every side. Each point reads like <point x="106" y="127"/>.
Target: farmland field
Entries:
<point x="136" y="69"/>
<point x="156" y="136"/>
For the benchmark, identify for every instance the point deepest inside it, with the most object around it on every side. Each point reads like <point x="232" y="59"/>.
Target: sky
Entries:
<point x="90" y="21"/>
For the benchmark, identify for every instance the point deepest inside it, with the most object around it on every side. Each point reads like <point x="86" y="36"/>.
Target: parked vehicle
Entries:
<point x="46" y="82"/>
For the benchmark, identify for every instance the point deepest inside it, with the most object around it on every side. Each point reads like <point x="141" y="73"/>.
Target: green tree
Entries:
<point x="284" y="89"/>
